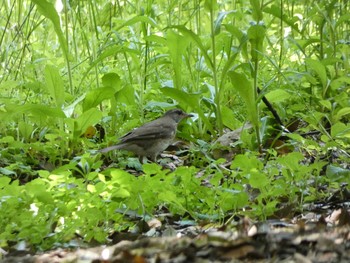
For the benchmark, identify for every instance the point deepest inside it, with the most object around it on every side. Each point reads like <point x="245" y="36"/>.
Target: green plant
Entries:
<point x="64" y="70"/>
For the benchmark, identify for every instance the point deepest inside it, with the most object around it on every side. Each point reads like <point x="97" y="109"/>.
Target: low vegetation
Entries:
<point x="273" y="77"/>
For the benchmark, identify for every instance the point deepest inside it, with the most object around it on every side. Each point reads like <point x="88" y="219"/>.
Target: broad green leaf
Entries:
<point x="291" y="160"/>
<point x="246" y="163"/>
<point x="111" y="80"/>
<point x="277" y="96"/>
<point x="256" y="35"/>
<point x="198" y="42"/>
<point x="304" y="43"/>
<point x="7" y="139"/>
<point x="88" y="118"/>
<point x="231" y="201"/>
<point x="156" y="39"/>
<point x="177" y="45"/>
<point x="340" y="82"/>
<point x="38" y="189"/>
<point x="91" y="188"/>
<point x="25" y="129"/>
<point x="340" y="130"/>
<point x="121" y="177"/>
<point x="9" y="84"/>
<point x="275" y="10"/>
<point x="171" y="198"/>
<point x="137" y="19"/>
<point x="344" y="18"/>
<point x="48" y="10"/>
<point x="96" y="96"/>
<point x="210" y="5"/>
<point x="126" y="96"/>
<point x="257" y="10"/>
<point x="246" y="91"/>
<point x="219" y="19"/>
<point x="36" y="110"/>
<point x="69" y="110"/>
<point x="4" y="181"/>
<point x="258" y="180"/>
<point x="326" y="103"/>
<point x="342" y="112"/>
<point x="121" y="193"/>
<point x="319" y="69"/>
<point x="229" y="118"/>
<point x="338" y="174"/>
<point x="54" y="85"/>
<point x="151" y="168"/>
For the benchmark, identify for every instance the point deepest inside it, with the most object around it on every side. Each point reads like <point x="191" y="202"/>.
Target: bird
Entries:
<point x="153" y="137"/>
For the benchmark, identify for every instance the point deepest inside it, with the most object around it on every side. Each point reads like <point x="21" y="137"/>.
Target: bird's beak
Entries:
<point x="189" y="115"/>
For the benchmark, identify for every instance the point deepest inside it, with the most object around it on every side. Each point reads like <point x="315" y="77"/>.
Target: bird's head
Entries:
<point x="177" y="115"/>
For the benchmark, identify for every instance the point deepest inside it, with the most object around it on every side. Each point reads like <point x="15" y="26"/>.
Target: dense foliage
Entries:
<point x="76" y="75"/>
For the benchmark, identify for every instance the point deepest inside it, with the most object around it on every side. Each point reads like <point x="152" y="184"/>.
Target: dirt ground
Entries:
<point x="308" y="239"/>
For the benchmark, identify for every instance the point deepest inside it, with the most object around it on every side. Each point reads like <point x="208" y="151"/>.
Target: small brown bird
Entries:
<point x="153" y="137"/>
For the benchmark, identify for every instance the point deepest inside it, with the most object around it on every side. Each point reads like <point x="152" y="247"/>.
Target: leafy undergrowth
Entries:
<point x="93" y="199"/>
<point x="320" y="234"/>
<point x="76" y="75"/>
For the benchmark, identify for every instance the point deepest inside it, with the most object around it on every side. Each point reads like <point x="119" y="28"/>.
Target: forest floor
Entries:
<point x="320" y="235"/>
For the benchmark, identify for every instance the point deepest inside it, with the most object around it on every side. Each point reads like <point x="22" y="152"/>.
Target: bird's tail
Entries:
<point x="110" y="148"/>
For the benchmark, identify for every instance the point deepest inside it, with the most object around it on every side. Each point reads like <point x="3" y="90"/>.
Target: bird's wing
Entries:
<point x="151" y="131"/>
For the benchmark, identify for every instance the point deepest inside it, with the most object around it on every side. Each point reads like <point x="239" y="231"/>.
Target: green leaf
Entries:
<point x="292" y="160"/>
<point x="326" y="103"/>
<point x="246" y="91"/>
<point x="344" y="18"/>
<point x="302" y="44"/>
<point x="25" y="129"/>
<point x="177" y="45"/>
<point x="156" y="39"/>
<point x="341" y="82"/>
<point x="258" y="180"/>
<point x="151" y="168"/>
<point x="48" y="10"/>
<point x="275" y="10"/>
<point x="122" y="177"/>
<point x="54" y="85"/>
<point x="111" y="80"/>
<point x="342" y="112"/>
<point x="319" y="69"/>
<point x="246" y="163"/>
<point x="96" y="96"/>
<point x="256" y="35"/>
<point x="7" y="139"/>
<point x="126" y="96"/>
<point x="210" y="5"/>
<point x="232" y="201"/>
<point x="3" y="179"/>
<point x="337" y="174"/>
<point x="196" y="39"/>
<point x="88" y="118"/>
<point x="219" y="19"/>
<point x="256" y="10"/>
<point x="38" y="189"/>
<point x="340" y="130"/>
<point x="277" y="96"/>
<point x="229" y="118"/>
<point x="137" y="19"/>
<point x="36" y="110"/>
